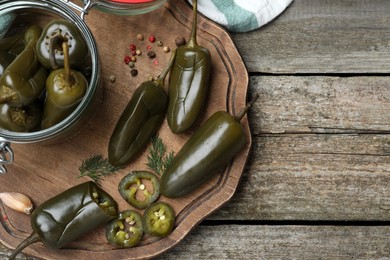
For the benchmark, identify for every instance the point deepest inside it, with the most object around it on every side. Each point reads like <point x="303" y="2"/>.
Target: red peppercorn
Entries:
<point x="133" y="47"/>
<point x="152" y="38"/>
<point x="133" y="53"/>
<point x="149" y="47"/>
<point x="127" y="59"/>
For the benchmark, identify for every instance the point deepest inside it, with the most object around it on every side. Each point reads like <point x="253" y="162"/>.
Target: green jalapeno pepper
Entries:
<point x="188" y="82"/>
<point x="20" y="119"/>
<point x="5" y="60"/>
<point x="134" y="190"/>
<point x="50" y="45"/>
<point x="70" y="215"/>
<point x="65" y="89"/>
<point x="140" y="120"/>
<point x="158" y="219"/>
<point x="13" y="44"/>
<point x="10" y="47"/>
<point x="24" y="79"/>
<point x="126" y="230"/>
<point x="211" y="148"/>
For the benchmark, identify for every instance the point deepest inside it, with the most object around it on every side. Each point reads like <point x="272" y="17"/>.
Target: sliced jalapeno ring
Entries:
<point x="126" y="230"/>
<point x="140" y="188"/>
<point x="159" y="219"/>
<point x="105" y="202"/>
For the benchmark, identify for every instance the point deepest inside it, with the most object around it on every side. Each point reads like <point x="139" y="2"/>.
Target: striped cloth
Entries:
<point x="242" y="15"/>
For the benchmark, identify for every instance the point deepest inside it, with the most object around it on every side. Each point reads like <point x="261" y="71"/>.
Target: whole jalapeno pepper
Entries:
<point x="65" y="89"/>
<point x="23" y="81"/>
<point x="20" y="119"/>
<point x="126" y="230"/>
<point x="188" y="82"/>
<point x="69" y="215"/>
<point x="211" y="148"/>
<point x="50" y="45"/>
<point x="134" y="183"/>
<point x="140" y="120"/>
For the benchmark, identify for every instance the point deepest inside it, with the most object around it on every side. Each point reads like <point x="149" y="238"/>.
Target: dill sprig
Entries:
<point x="158" y="158"/>
<point x="96" y="167"/>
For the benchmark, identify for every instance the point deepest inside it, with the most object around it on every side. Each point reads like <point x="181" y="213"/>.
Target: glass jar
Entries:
<point x="23" y="12"/>
<point x="125" y="7"/>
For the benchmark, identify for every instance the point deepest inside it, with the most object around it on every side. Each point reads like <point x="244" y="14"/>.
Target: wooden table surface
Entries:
<point x="317" y="182"/>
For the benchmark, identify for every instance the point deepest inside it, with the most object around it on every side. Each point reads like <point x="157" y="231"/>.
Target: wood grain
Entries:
<point x="321" y="140"/>
<point x="329" y="36"/>
<point x="47" y="170"/>
<point x="279" y="242"/>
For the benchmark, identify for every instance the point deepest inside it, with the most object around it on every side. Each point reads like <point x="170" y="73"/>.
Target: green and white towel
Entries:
<point x="242" y="15"/>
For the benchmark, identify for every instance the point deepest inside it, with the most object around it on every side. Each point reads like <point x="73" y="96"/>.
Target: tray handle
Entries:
<point x="6" y="156"/>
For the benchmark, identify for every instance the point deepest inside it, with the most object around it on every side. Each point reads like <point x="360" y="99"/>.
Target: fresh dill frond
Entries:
<point x="158" y="160"/>
<point x="96" y="167"/>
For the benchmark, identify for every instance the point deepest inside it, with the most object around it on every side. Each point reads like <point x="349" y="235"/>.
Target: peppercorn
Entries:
<point x="159" y="43"/>
<point x="151" y="54"/>
<point x="112" y="78"/>
<point x="138" y="52"/>
<point x="166" y="49"/>
<point x="152" y="38"/>
<point x="134" y="72"/>
<point x="133" y="47"/>
<point x="140" y="37"/>
<point x="131" y="64"/>
<point x="133" y="58"/>
<point x="127" y="59"/>
<point x="180" y="41"/>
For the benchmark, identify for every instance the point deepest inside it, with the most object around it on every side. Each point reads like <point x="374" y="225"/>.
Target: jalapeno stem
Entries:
<point x="160" y="79"/>
<point x="65" y="49"/>
<point x="192" y="42"/>
<point x="33" y="238"/>
<point x="246" y="108"/>
<point x="56" y="42"/>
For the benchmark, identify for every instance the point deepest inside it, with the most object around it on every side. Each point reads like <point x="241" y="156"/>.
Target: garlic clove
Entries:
<point x="17" y="201"/>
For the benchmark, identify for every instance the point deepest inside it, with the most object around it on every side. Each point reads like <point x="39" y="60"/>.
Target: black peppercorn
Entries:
<point x="134" y="72"/>
<point x="151" y="54"/>
<point x="180" y="41"/>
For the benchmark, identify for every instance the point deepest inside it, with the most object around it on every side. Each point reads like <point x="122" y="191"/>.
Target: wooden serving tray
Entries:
<point x="42" y="171"/>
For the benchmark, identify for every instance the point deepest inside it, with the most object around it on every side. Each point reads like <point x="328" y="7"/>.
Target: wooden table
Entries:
<point x="317" y="182"/>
